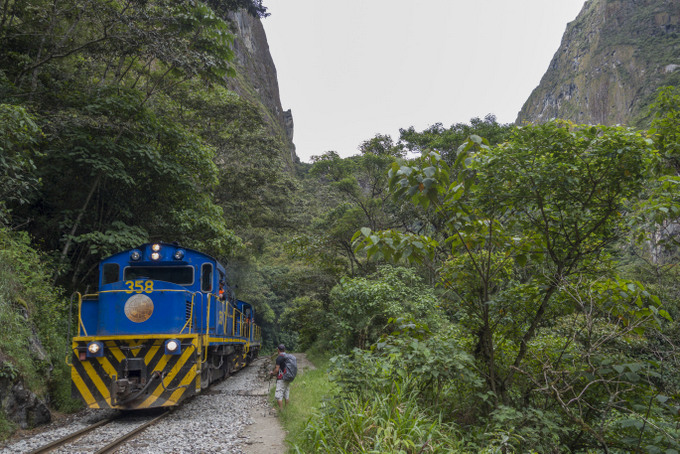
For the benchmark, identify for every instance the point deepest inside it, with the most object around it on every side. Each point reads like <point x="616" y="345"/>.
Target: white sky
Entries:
<point x="350" y="69"/>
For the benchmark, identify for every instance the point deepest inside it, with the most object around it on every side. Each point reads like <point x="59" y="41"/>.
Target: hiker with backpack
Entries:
<point x="285" y="371"/>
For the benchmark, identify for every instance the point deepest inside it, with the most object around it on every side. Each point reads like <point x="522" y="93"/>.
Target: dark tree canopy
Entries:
<point x="254" y="7"/>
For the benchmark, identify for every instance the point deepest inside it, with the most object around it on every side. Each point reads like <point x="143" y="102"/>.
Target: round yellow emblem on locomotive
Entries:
<point x="138" y="308"/>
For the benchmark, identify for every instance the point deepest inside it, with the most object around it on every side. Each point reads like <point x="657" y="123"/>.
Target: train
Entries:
<point x="162" y="326"/>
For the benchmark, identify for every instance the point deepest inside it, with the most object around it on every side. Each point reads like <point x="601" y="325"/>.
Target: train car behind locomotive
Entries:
<point x="163" y="325"/>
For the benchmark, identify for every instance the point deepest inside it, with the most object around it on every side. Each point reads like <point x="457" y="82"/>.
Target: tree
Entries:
<point x="355" y="189"/>
<point x="666" y="127"/>
<point x="363" y="306"/>
<point x="445" y="142"/>
<point x="19" y="136"/>
<point x="519" y="219"/>
<point x="531" y="226"/>
<point x="119" y="167"/>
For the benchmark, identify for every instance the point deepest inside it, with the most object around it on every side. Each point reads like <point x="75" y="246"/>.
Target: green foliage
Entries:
<point x="597" y="358"/>
<point x="6" y="427"/>
<point x="60" y="390"/>
<point x="553" y="194"/>
<point x="33" y="314"/>
<point x="362" y="307"/>
<point x="381" y="423"/>
<point x="393" y="245"/>
<point x="394" y="397"/>
<point x="434" y="365"/>
<point x="302" y="317"/>
<point x="382" y="145"/>
<point x="118" y="164"/>
<point x="445" y="142"/>
<point x="357" y="197"/>
<point x="519" y="230"/>
<point x="308" y="391"/>
<point x="103" y="148"/>
<point x="512" y="430"/>
<point x="19" y="135"/>
<point x="253" y="7"/>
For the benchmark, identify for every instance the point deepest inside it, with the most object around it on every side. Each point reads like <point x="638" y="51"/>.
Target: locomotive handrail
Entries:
<point x="188" y="323"/>
<point x="240" y="323"/>
<point x="207" y="331"/>
<point x="130" y="292"/>
<point x="80" y="310"/>
<point x="244" y="329"/>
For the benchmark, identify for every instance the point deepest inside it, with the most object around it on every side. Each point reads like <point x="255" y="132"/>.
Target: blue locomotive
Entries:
<point x="162" y="327"/>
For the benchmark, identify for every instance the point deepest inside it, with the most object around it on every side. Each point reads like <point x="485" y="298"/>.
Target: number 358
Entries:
<point x="139" y="286"/>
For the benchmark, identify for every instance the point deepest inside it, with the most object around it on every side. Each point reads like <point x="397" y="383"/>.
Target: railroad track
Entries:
<point x="71" y="438"/>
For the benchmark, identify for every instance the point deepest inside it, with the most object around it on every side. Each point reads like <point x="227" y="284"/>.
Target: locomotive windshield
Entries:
<point x="182" y="275"/>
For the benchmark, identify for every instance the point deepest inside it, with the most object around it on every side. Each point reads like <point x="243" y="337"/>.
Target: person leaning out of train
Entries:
<point x="282" y="386"/>
<point x="221" y="294"/>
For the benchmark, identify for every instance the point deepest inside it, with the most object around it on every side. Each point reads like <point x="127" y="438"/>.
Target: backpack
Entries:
<point x="290" y="368"/>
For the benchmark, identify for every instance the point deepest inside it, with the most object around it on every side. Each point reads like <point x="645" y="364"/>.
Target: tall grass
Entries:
<point x="7" y="427"/>
<point x="307" y="393"/>
<point x="379" y="423"/>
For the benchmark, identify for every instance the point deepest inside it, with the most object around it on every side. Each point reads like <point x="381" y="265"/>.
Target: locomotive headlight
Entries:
<point x="95" y="349"/>
<point x="138" y="308"/>
<point x="135" y="255"/>
<point x="155" y="256"/>
<point x="173" y="347"/>
<point x="156" y="247"/>
<point x="179" y="254"/>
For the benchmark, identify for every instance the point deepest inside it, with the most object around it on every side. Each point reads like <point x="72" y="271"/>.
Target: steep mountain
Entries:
<point x="611" y="61"/>
<point x="256" y="78"/>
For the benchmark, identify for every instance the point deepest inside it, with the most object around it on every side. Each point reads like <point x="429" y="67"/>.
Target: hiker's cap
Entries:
<point x="282" y="348"/>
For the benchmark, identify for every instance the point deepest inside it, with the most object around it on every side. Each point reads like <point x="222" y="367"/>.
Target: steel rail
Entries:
<point x="72" y="437"/>
<point x="120" y="440"/>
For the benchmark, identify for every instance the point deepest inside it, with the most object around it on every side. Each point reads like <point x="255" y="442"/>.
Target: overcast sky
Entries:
<point x="351" y="69"/>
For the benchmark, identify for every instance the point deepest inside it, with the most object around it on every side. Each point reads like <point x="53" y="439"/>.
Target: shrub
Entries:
<point x="434" y="365"/>
<point x="33" y="316"/>
<point x="362" y="306"/>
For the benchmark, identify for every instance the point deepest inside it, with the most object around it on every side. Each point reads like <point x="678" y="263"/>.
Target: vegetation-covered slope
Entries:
<point x="116" y="128"/>
<point x="613" y="58"/>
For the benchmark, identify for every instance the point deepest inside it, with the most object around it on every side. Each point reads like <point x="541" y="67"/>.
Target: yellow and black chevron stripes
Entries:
<point x="93" y="378"/>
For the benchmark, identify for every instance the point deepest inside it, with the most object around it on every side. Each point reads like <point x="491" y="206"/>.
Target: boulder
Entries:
<point x="20" y="405"/>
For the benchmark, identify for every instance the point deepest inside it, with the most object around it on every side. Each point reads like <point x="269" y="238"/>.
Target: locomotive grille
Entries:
<point x="187" y="316"/>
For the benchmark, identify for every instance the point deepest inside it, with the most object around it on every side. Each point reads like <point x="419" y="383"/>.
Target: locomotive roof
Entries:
<point x="174" y="244"/>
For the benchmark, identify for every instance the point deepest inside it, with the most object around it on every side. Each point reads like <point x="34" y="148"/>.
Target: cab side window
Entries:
<point x="110" y="273"/>
<point x="206" y="277"/>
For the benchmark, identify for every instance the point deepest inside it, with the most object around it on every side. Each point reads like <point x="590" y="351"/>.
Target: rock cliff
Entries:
<point x="611" y="61"/>
<point x="256" y="78"/>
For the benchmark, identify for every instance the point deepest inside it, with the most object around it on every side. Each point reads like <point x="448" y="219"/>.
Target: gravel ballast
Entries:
<point x="212" y="422"/>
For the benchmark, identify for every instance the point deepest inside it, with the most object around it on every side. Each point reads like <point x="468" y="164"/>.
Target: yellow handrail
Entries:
<point x="243" y="331"/>
<point x="207" y="331"/>
<point x="188" y="322"/>
<point x="243" y="328"/>
<point x="233" y="321"/>
<point x="80" y="309"/>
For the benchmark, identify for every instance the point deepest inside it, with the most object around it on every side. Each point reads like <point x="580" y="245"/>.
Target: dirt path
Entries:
<point x="266" y="436"/>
